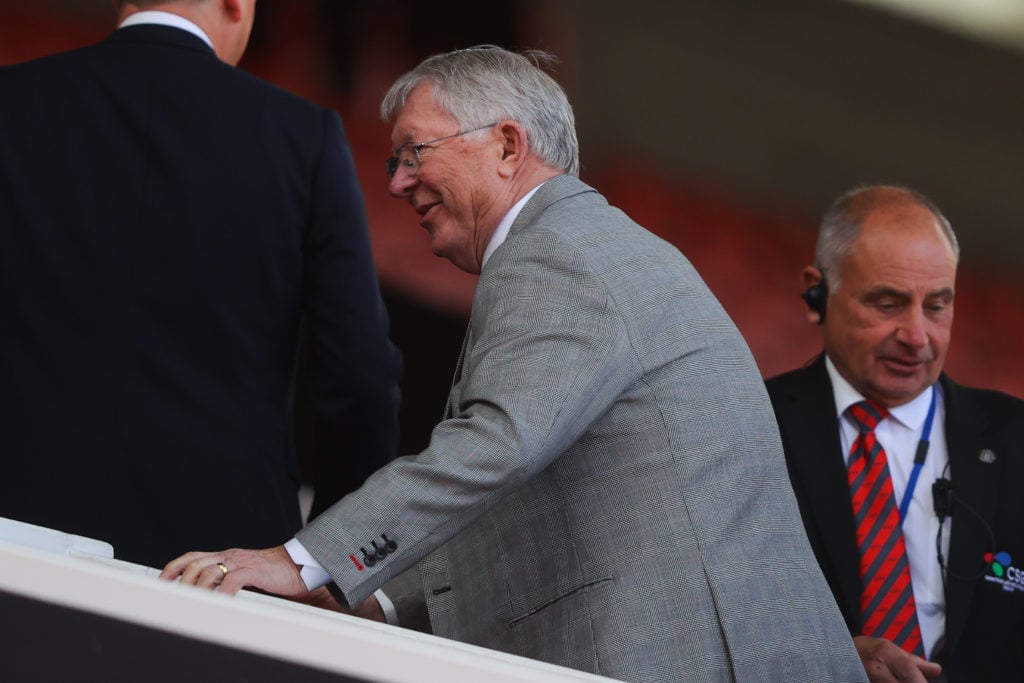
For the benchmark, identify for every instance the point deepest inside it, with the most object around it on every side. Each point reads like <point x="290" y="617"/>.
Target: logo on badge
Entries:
<point x="1002" y="571"/>
<point x="998" y="562"/>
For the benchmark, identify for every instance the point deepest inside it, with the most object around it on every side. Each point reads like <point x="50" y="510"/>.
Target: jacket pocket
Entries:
<point x="578" y="590"/>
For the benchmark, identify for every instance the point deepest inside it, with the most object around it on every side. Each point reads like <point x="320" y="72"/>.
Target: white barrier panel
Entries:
<point x="41" y="538"/>
<point x="69" y="614"/>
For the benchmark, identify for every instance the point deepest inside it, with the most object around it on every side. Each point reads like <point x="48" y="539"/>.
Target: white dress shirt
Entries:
<point x="899" y="436"/>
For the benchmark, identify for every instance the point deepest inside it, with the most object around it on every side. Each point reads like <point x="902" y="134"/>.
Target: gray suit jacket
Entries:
<point x="609" y="491"/>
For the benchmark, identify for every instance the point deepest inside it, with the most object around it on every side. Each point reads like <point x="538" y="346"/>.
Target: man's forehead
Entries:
<point x="419" y="126"/>
<point x="901" y="291"/>
<point x="897" y="277"/>
<point x="905" y="235"/>
<point x="916" y="261"/>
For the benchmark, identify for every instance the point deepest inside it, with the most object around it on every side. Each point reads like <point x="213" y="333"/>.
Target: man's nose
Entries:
<point x="913" y="330"/>
<point x="402" y="183"/>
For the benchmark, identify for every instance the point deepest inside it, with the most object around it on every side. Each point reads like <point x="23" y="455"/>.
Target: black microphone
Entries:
<point x="942" y="497"/>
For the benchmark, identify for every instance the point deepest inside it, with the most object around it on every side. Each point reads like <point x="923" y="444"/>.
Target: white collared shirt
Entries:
<point x="899" y="436"/>
<point x="501" y="232"/>
<point x="166" y="19"/>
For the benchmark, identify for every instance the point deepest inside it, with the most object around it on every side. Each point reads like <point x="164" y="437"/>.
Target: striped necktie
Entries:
<point x="887" y="596"/>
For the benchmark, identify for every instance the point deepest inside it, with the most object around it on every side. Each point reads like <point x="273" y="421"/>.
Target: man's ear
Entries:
<point x="232" y="9"/>
<point x="228" y="23"/>
<point x="514" y="147"/>
<point x="124" y="9"/>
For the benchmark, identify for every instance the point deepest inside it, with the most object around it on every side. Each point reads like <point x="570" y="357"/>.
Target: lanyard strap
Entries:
<point x="919" y="456"/>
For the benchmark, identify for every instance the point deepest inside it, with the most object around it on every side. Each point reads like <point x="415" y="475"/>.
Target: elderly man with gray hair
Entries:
<point x="607" y="490"/>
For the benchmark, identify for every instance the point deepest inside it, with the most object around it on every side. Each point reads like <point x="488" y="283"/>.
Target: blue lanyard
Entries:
<point x="919" y="456"/>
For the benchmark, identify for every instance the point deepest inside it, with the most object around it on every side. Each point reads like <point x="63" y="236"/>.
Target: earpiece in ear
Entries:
<point x="816" y="297"/>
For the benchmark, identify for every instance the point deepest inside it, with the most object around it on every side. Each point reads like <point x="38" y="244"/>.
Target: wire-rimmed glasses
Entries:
<point x="408" y="155"/>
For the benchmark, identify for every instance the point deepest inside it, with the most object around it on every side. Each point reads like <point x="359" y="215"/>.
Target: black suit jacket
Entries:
<point x="166" y="222"/>
<point x="984" y="617"/>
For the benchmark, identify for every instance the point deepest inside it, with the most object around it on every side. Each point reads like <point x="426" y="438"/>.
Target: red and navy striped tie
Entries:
<point x="887" y="596"/>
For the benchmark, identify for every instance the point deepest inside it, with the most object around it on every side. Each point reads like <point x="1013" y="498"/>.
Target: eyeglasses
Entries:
<point x="408" y="155"/>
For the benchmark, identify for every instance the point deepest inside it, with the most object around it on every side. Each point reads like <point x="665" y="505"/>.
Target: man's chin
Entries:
<point x="901" y="389"/>
<point x="438" y="249"/>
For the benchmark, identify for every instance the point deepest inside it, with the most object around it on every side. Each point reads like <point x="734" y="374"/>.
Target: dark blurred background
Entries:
<point x="725" y="126"/>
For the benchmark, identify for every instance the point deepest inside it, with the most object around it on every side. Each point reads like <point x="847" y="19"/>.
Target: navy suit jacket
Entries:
<point x="984" y="612"/>
<point x="167" y="223"/>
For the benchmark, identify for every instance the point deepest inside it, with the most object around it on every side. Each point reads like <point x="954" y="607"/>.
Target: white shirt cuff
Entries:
<point x="312" y="573"/>
<point x="390" y="613"/>
<point x="315" y="576"/>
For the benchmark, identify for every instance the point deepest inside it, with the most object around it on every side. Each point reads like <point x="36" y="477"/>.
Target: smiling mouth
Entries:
<point x="424" y="210"/>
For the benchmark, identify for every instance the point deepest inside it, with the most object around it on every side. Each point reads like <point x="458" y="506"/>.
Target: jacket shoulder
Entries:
<point x="791" y="382"/>
<point x="995" y="404"/>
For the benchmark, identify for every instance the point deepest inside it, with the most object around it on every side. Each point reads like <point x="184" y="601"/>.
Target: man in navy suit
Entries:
<point x="169" y="224"/>
<point x="883" y="288"/>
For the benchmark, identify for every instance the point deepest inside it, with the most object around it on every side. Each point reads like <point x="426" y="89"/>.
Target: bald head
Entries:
<point x="845" y="218"/>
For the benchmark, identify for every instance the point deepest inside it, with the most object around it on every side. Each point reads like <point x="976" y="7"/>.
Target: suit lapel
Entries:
<point x="555" y="189"/>
<point x="973" y="481"/>
<point x="815" y="460"/>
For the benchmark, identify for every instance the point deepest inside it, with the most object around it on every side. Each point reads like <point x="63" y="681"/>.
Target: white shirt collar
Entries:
<point x="501" y="232"/>
<point x="910" y="415"/>
<point x="166" y="19"/>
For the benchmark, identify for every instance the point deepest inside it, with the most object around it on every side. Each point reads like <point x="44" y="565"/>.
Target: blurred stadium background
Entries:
<point x="725" y="126"/>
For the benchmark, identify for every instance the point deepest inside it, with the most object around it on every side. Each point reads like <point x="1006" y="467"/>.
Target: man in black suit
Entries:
<point x="885" y="275"/>
<point x="168" y="224"/>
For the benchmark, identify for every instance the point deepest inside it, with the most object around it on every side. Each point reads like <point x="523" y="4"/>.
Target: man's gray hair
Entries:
<point x="842" y="223"/>
<point x="486" y="84"/>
